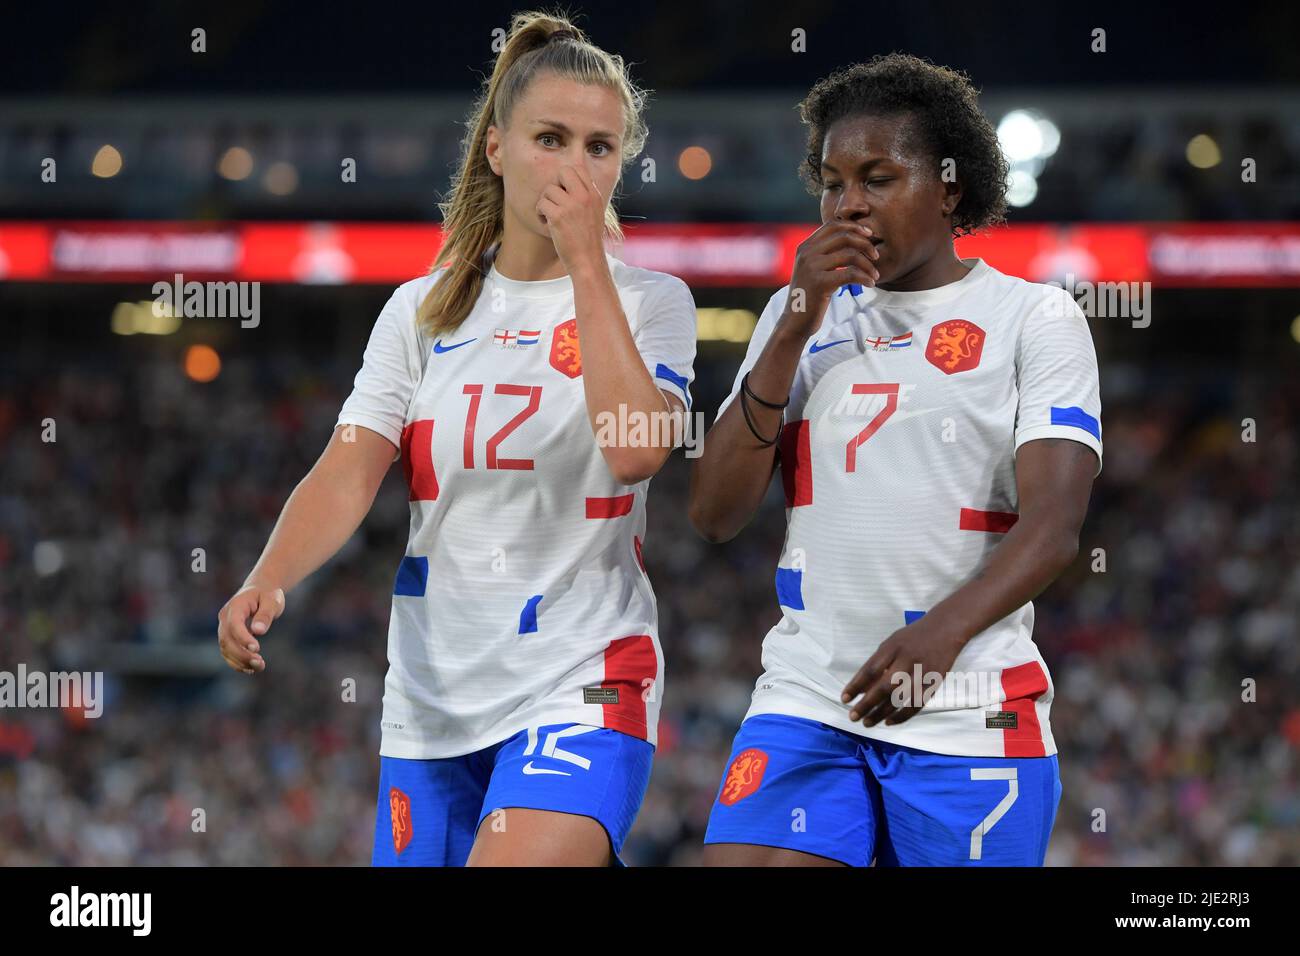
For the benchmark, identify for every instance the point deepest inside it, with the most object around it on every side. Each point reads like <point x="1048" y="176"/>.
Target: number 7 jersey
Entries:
<point x="897" y="461"/>
<point x="522" y="599"/>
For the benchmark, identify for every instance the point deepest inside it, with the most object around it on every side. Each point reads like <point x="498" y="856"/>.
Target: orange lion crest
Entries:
<point x="399" y="805"/>
<point x="955" y="346"/>
<point x="743" y="776"/>
<point x="566" y="355"/>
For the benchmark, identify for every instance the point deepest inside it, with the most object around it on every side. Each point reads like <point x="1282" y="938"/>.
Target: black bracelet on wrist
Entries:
<point x="749" y="420"/>
<point x="744" y="386"/>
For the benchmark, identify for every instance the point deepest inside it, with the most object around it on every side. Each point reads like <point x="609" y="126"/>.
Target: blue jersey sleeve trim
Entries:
<point x="1076" y="416"/>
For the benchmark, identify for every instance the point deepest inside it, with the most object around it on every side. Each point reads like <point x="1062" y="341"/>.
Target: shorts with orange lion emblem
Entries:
<point x="800" y="784"/>
<point x="743" y="776"/>
<point x="430" y="811"/>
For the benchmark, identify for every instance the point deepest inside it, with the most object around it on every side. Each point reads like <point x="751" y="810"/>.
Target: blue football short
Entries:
<point x="430" y="810"/>
<point x="804" y="785"/>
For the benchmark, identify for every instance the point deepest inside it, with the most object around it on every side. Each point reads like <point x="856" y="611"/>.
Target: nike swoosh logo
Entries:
<point x="815" y="348"/>
<point x="529" y="768"/>
<point x="439" y="348"/>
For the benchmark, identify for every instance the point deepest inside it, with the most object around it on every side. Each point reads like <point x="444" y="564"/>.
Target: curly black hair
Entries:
<point x="946" y="122"/>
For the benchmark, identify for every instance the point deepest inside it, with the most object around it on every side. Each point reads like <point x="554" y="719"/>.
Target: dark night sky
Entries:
<point x="374" y="47"/>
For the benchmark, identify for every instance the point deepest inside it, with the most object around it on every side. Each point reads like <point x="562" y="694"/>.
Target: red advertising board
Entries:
<point x="761" y="255"/>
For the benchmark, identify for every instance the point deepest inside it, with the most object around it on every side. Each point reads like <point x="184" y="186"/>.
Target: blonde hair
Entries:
<point x="473" y="216"/>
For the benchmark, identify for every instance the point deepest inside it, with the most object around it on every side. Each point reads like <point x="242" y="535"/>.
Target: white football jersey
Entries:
<point x="522" y="599"/>
<point x="898" y="465"/>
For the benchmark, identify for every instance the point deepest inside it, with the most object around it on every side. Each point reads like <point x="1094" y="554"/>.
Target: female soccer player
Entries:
<point x="522" y="695"/>
<point x="937" y="428"/>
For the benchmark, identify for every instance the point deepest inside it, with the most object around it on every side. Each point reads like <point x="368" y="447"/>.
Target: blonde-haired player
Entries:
<point x="525" y="671"/>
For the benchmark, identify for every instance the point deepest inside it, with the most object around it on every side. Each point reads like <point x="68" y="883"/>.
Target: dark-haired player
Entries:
<point x="937" y="427"/>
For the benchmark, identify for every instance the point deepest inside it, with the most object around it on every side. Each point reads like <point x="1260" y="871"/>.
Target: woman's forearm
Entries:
<point x="732" y="474"/>
<point x="617" y="386"/>
<point x="323" y="511"/>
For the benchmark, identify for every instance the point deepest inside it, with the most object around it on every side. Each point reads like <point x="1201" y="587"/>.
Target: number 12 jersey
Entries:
<point x="522" y="599"/>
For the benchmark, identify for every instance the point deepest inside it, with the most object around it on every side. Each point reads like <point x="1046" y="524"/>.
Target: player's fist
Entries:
<point x="244" y="618"/>
<point x="838" y="253"/>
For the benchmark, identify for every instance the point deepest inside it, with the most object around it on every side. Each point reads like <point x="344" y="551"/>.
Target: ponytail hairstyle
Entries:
<point x="473" y="216"/>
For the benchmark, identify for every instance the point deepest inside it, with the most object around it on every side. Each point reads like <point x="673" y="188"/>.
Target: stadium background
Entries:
<point x="155" y="457"/>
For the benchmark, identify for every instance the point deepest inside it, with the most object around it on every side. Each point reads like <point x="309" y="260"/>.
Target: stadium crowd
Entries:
<point x="1176" y="667"/>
